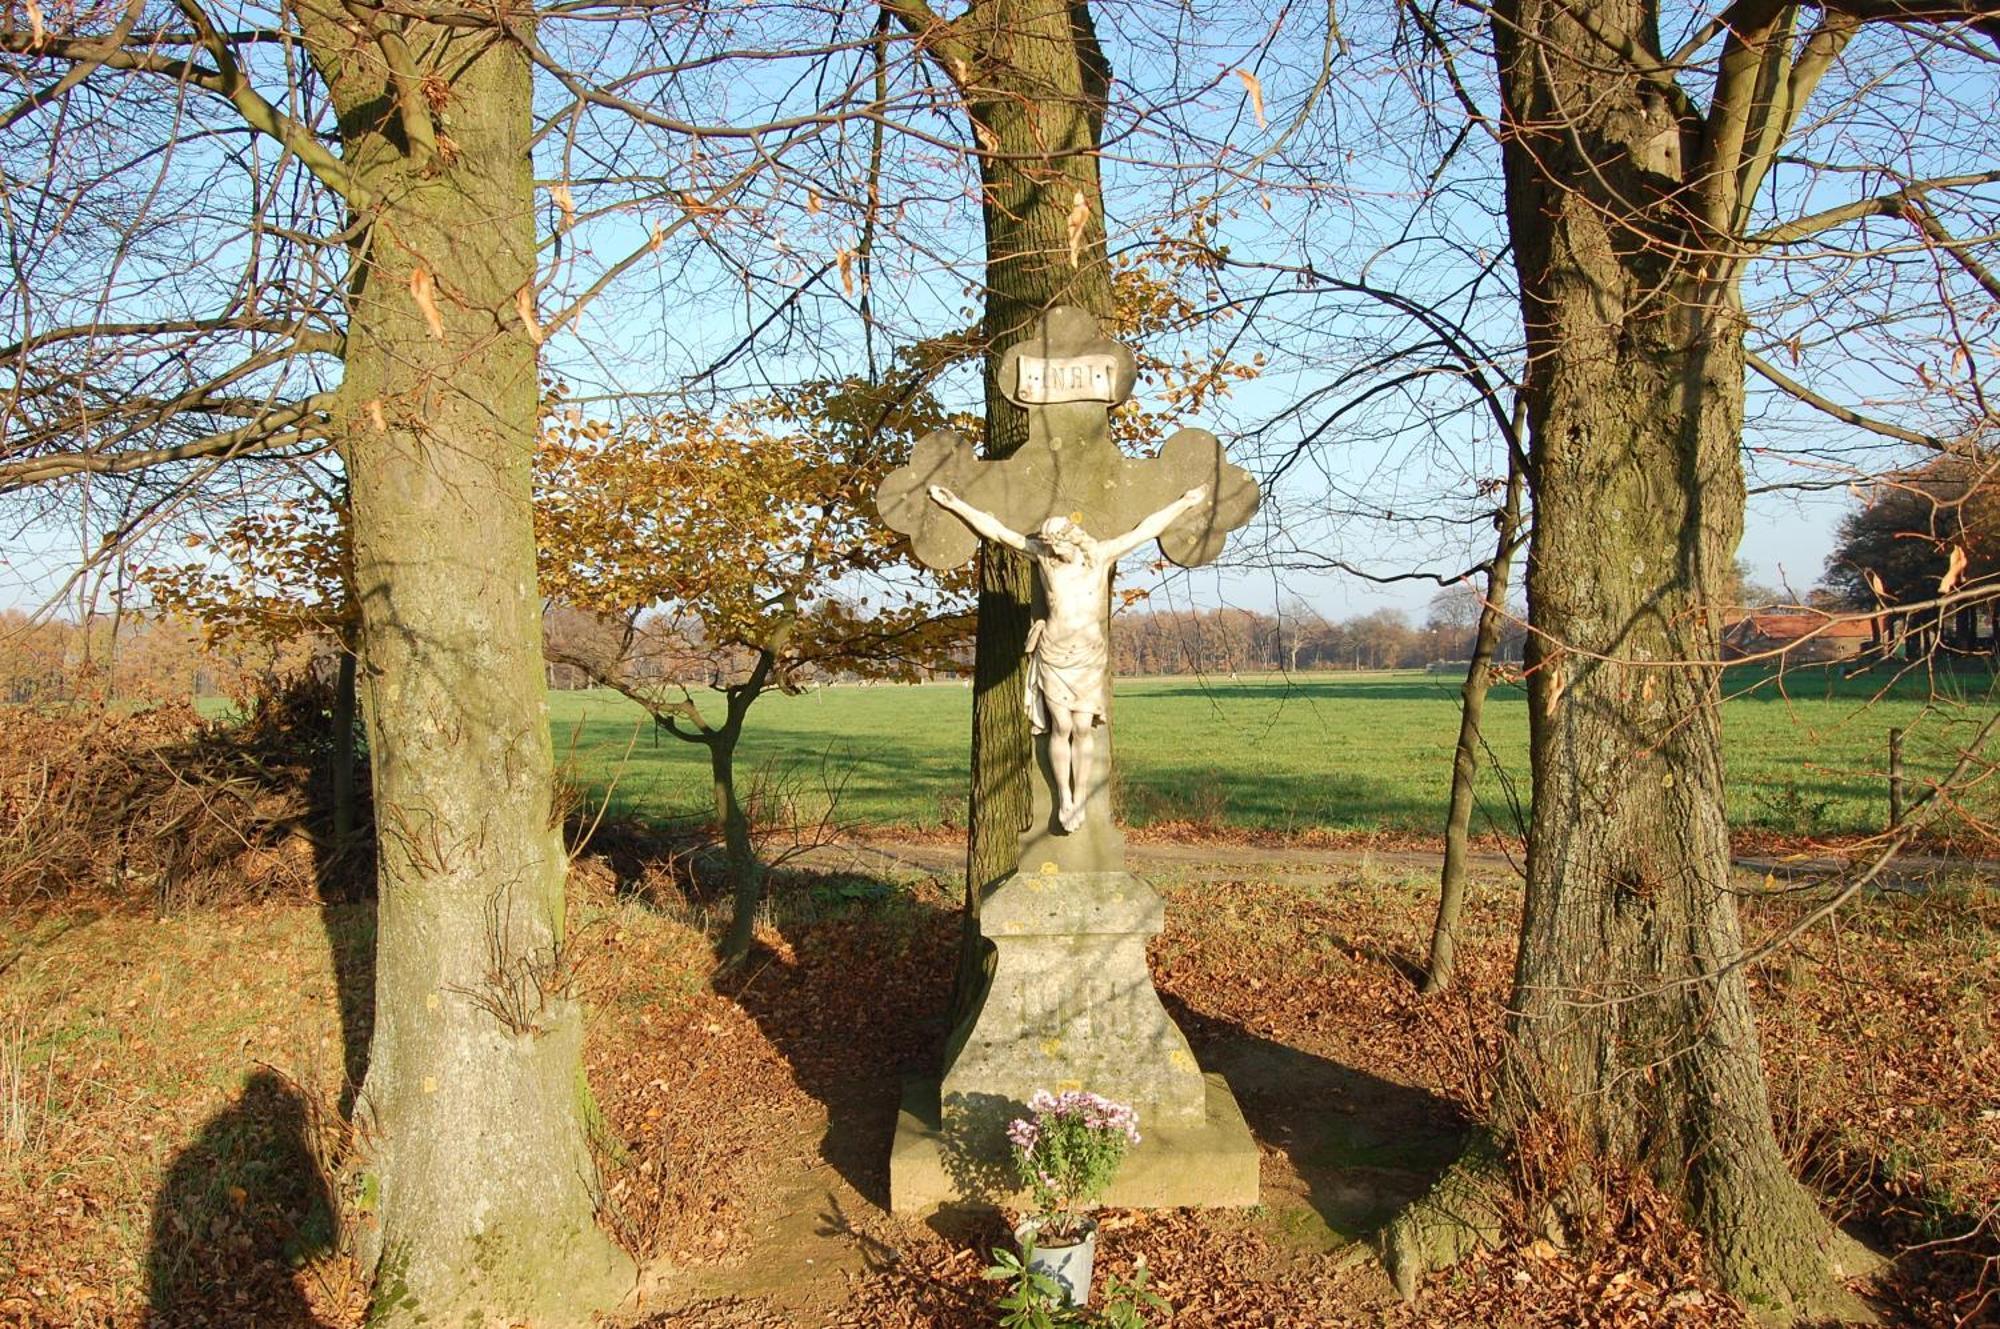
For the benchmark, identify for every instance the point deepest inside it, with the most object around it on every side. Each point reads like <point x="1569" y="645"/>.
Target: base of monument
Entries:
<point x="1210" y="1164"/>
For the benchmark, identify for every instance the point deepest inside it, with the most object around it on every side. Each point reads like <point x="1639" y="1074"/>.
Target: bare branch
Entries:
<point x="1891" y="204"/>
<point x="1845" y="414"/>
<point x="1960" y="251"/>
<point x="227" y="82"/>
<point x="283" y="427"/>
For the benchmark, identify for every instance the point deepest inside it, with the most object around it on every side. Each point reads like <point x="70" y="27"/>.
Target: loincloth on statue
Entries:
<point x="1066" y="674"/>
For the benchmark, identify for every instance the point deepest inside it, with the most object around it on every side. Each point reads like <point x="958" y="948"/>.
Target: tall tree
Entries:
<point x="344" y="193"/>
<point x="311" y="224"/>
<point x="1632" y="208"/>
<point x="1033" y="80"/>
<point x="476" y="1178"/>
<point x="473" y="1110"/>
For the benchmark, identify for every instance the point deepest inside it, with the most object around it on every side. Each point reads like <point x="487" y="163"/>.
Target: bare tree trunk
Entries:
<point x="476" y="1175"/>
<point x="1632" y="1043"/>
<point x="1630" y="1029"/>
<point x="746" y="874"/>
<point x="1472" y="711"/>
<point x="1034" y="80"/>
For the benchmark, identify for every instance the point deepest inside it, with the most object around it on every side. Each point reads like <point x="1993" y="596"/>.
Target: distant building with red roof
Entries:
<point x="1806" y="636"/>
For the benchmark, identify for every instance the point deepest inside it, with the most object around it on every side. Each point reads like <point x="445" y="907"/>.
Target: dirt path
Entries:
<point x="877" y="853"/>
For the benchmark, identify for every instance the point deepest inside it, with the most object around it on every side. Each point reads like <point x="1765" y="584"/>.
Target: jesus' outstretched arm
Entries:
<point x="1154" y="526"/>
<point x="988" y="526"/>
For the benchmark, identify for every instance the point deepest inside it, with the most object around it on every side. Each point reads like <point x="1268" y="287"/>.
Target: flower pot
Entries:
<point x="1068" y="1265"/>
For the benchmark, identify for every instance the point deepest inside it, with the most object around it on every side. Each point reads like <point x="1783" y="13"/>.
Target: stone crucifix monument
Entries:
<point x="1071" y="1004"/>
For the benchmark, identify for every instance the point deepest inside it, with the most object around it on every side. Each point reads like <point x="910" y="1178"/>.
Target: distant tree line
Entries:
<point x="671" y="648"/>
<point x="135" y="656"/>
<point x="1221" y="641"/>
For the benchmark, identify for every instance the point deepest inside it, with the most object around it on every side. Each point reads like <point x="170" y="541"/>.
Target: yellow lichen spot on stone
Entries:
<point x="1052" y="1047"/>
<point x="1076" y="517"/>
<point x="1183" y="1060"/>
<point x="1049" y="869"/>
<point x="1065" y="1086"/>
<point x="430" y="1084"/>
<point x="431" y="1001"/>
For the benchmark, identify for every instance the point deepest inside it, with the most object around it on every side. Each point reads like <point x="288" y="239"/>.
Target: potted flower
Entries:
<point x="1066" y="1149"/>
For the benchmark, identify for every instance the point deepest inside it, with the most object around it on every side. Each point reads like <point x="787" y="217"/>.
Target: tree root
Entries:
<point x="1464" y="1211"/>
<point x="1470" y="1207"/>
<point x="1790" y="1286"/>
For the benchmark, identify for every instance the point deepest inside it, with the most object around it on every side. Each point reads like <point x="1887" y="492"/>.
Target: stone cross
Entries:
<point x="1068" y="376"/>
<point x="1070" y="1003"/>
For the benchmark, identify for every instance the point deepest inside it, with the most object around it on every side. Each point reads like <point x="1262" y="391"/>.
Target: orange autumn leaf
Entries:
<point x="423" y="289"/>
<point x="1079" y="221"/>
<point x="524" y="302"/>
<point x="1255" y="89"/>
<point x="1954" y="571"/>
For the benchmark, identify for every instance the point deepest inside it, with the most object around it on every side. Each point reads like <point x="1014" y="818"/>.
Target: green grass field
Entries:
<point x="1806" y="754"/>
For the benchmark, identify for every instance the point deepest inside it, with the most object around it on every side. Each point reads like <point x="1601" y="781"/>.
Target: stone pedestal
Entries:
<point x="1210" y="1163"/>
<point x="1071" y="1005"/>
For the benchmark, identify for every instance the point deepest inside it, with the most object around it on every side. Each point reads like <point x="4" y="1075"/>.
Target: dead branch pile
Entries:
<point x="162" y="807"/>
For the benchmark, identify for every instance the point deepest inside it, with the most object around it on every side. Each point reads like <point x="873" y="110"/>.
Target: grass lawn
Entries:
<point x="1342" y="752"/>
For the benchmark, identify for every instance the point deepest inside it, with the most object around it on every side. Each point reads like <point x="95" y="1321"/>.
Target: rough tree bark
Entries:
<point x="1472" y="712"/>
<point x="1631" y="1034"/>
<point x="1034" y="80"/>
<point x="476" y="1173"/>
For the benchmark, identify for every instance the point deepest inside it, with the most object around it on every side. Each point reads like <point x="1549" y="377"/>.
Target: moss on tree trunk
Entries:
<point x="479" y="1181"/>
<point x="1034" y="81"/>
<point x="1632" y="1037"/>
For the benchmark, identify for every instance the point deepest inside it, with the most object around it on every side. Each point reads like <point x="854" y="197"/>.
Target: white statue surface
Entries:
<point x="1066" y="480"/>
<point x="1068" y="686"/>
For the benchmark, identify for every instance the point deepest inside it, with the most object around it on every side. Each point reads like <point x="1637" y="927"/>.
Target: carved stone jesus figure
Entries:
<point x="1069" y="660"/>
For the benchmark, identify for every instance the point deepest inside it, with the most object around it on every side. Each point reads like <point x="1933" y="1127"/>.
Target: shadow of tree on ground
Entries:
<point x="857" y="1005"/>
<point x="856" y="1001"/>
<point x="241" y="1206"/>
<point x="1363" y="1146"/>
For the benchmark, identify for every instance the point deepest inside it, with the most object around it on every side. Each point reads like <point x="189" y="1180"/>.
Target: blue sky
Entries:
<point x="1355" y="193"/>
